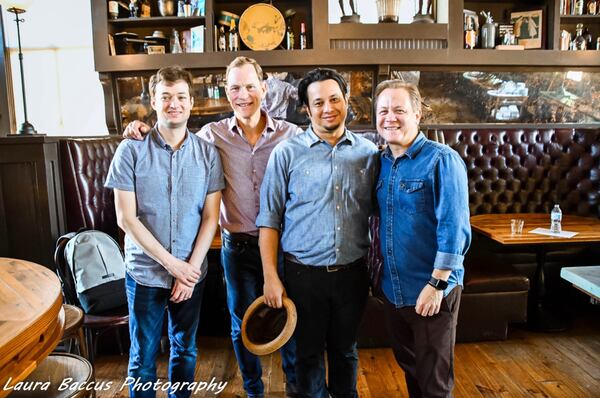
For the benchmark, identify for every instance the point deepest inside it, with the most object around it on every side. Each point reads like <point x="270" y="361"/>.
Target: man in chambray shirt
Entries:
<point x="425" y="232"/>
<point x="317" y="195"/>
<point x="167" y="194"/>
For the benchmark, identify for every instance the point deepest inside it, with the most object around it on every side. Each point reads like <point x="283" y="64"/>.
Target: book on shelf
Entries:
<point x="197" y="39"/>
<point x="111" y="45"/>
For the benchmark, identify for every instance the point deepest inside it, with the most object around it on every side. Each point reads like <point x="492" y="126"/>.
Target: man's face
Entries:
<point x="172" y="103"/>
<point x="397" y="122"/>
<point x="245" y="91"/>
<point x="327" y="106"/>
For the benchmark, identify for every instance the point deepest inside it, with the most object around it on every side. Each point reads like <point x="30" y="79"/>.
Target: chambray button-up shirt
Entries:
<point x="423" y="199"/>
<point x="170" y="188"/>
<point x="244" y="168"/>
<point x="320" y="197"/>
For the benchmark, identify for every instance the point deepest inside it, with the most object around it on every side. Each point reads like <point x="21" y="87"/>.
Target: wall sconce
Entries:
<point x="18" y="7"/>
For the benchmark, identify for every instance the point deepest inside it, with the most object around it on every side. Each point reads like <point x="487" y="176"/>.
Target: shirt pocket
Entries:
<point x="410" y="195"/>
<point x="310" y="184"/>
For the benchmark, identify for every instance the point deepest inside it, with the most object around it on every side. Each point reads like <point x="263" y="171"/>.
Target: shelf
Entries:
<point x="156" y="21"/>
<point x="388" y="30"/>
<point x="582" y="17"/>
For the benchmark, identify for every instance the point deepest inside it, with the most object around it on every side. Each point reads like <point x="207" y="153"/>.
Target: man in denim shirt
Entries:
<point x="317" y="194"/>
<point x="167" y="193"/>
<point x="423" y="200"/>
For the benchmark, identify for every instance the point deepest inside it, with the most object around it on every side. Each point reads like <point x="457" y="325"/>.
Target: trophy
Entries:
<point x="354" y="17"/>
<point x="424" y="13"/>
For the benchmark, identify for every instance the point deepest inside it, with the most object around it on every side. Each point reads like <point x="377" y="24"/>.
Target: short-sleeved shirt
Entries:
<point x="170" y="189"/>
<point x="320" y="197"/>
<point x="244" y="168"/>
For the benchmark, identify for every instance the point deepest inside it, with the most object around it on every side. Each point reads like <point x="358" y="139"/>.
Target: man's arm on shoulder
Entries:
<point x="126" y="208"/>
<point x="136" y="130"/>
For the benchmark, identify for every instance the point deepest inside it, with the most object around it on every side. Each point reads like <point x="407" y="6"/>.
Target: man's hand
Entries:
<point x="274" y="292"/>
<point x="136" y="130"/>
<point x="185" y="273"/>
<point x="429" y="301"/>
<point x="181" y="292"/>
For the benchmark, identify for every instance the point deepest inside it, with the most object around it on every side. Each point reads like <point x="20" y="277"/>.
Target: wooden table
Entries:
<point x="31" y="318"/>
<point x="497" y="228"/>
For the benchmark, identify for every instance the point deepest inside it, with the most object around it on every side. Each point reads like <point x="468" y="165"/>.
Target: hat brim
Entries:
<point x="265" y="348"/>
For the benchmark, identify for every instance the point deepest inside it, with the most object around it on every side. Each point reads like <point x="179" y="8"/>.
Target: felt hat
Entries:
<point x="266" y="329"/>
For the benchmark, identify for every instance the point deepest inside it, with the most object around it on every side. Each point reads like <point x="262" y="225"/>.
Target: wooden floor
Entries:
<point x="526" y="365"/>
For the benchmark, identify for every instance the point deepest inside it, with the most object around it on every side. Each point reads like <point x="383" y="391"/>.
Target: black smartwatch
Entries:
<point x="438" y="284"/>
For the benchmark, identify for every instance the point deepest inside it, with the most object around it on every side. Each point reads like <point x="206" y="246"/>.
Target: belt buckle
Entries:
<point x="332" y="268"/>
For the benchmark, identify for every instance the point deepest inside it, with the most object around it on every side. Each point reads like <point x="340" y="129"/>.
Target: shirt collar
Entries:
<point x="311" y="138"/>
<point x="234" y="127"/>
<point x="412" y="151"/>
<point x="161" y="142"/>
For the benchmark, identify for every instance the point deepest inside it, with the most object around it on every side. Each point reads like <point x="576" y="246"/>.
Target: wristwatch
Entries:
<point x="438" y="284"/>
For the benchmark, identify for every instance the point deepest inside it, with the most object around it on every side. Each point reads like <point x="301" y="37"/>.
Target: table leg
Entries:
<point x="540" y="316"/>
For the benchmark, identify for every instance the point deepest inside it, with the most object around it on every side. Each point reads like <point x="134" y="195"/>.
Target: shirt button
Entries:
<point x="337" y="187"/>
<point x="337" y="207"/>
<point x="254" y="171"/>
<point x="338" y="228"/>
<point x="337" y="250"/>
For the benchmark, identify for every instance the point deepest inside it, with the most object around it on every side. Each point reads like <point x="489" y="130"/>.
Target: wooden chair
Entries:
<point x="56" y="368"/>
<point x="93" y="325"/>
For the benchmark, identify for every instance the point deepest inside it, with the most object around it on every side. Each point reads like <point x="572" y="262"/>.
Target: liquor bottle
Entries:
<point x="222" y="41"/>
<point x="588" y="38"/>
<point x="289" y="38"/>
<point x="555" y="220"/>
<point x="303" y="43"/>
<point x="145" y="9"/>
<point x="579" y="41"/>
<point x="175" y="43"/>
<point x="234" y="37"/>
<point x="592" y="7"/>
<point x="579" y="7"/>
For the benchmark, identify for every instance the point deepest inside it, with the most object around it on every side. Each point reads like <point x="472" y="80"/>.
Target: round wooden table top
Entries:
<point x="31" y="318"/>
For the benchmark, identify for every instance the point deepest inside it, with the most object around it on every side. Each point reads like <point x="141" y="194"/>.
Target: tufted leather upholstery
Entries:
<point x="85" y="164"/>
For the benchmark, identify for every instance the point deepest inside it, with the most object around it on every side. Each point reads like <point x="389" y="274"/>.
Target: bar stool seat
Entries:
<point x="74" y="327"/>
<point x="56" y="368"/>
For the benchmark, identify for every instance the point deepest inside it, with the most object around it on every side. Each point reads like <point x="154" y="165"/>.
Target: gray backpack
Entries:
<point x="97" y="269"/>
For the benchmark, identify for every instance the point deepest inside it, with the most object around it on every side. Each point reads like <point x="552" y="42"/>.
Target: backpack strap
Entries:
<point x="62" y="269"/>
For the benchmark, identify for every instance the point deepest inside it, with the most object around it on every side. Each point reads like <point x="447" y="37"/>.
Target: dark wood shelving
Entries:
<point x="388" y="30"/>
<point x="157" y="21"/>
<point x="585" y="16"/>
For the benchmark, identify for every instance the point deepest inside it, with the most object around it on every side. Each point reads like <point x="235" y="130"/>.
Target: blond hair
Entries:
<point x="411" y="89"/>
<point x="241" y="61"/>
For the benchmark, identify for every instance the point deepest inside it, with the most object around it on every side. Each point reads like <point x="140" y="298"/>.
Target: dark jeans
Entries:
<point x="240" y="257"/>
<point x="330" y="306"/>
<point x="424" y="346"/>
<point x="146" y="314"/>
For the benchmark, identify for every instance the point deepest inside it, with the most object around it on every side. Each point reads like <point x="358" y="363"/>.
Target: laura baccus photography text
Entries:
<point x="68" y="384"/>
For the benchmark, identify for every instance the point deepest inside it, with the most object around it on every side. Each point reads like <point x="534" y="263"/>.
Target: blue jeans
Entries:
<point x="146" y="314"/>
<point x="240" y="257"/>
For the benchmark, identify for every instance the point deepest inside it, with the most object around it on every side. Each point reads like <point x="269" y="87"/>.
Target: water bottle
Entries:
<point x="555" y="219"/>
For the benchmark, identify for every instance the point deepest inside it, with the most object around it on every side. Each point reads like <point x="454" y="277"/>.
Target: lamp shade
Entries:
<point x="22" y="4"/>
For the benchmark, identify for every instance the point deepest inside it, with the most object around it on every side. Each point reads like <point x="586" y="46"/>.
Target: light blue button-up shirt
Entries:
<point x="423" y="199"/>
<point x="320" y="197"/>
<point x="170" y="188"/>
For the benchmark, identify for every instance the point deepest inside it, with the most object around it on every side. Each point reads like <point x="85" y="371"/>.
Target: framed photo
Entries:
<point x="527" y="27"/>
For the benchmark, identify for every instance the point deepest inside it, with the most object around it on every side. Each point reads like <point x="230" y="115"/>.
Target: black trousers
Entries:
<point x="424" y="346"/>
<point x="329" y="306"/>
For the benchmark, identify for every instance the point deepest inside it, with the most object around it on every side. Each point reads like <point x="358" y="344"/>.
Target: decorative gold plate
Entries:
<point x="262" y="27"/>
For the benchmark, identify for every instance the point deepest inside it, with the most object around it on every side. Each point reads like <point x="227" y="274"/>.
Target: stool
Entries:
<point x="74" y="327"/>
<point x="56" y="368"/>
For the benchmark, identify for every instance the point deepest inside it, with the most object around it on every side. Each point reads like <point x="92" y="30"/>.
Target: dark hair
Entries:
<point x="170" y="74"/>
<point x="319" y="75"/>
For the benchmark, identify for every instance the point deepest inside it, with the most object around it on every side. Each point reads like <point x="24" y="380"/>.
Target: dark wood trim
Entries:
<point x="7" y="109"/>
<point x="156" y="21"/>
<point x="386" y="30"/>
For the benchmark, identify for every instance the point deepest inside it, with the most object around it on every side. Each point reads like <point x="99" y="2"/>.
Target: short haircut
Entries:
<point x="411" y="89"/>
<point x="170" y="75"/>
<point x="241" y="61"/>
<point x="319" y="75"/>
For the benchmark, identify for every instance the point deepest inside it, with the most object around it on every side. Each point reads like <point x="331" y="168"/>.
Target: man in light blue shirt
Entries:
<point x="425" y="232"/>
<point x="167" y="193"/>
<point x="317" y="195"/>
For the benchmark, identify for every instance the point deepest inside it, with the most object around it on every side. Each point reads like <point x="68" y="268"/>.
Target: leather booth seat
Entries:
<point x="509" y="171"/>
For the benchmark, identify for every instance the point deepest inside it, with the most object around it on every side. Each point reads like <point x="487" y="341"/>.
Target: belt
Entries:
<point x="240" y="237"/>
<point x="325" y="268"/>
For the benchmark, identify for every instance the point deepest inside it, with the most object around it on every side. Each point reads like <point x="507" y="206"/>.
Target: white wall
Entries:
<point x="64" y="95"/>
<point x="367" y="10"/>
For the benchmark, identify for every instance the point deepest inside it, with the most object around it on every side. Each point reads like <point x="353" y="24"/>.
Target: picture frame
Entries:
<point x="528" y="27"/>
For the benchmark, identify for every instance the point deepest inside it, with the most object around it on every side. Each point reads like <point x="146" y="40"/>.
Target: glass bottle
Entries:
<point x="555" y="220"/>
<point x="579" y="41"/>
<point x="588" y="38"/>
<point x="303" y="44"/>
<point x="222" y="42"/>
<point x="113" y="9"/>
<point x="488" y="31"/>
<point x="134" y="10"/>
<point x="175" y="44"/>
<point x="234" y="37"/>
<point x="598" y="43"/>
<point x="592" y="7"/>
<point x="579" y="7"/>
<point x="289" y="38"/>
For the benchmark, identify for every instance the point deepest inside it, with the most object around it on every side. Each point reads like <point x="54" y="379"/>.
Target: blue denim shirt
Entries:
<point x="423" y="199"/>
<point x="170" y="188"/>
<point x="320" y="197"/>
